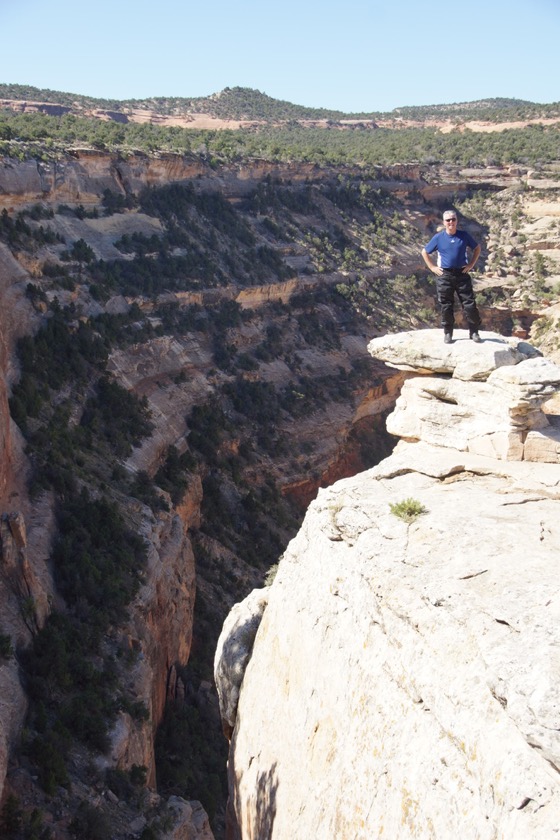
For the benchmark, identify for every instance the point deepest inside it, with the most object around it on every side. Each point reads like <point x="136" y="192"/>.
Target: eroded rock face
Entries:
<point x="86" y="173"/>
<point x="14" y="321"/>
<point x="160" y="630"/>
<point x="26" y="595"/>
<point x="403" y="680"/>
<point x="404" y="677"/>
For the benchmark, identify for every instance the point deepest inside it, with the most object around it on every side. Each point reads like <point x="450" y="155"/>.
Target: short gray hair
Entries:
<point x="447" y="213"/>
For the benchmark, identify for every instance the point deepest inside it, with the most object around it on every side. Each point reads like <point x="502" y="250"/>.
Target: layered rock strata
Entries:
<point x="403" y="679"/>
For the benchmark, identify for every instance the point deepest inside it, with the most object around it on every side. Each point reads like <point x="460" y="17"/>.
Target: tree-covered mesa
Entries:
<point x="44" y="136"/>
<point x="232" y="103"/>
<point x="241" y="103"/>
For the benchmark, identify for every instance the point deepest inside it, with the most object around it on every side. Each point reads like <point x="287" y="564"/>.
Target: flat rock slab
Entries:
<point x="424" y="352"/>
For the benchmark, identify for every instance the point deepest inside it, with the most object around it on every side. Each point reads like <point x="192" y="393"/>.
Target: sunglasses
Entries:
<point x="451" y="219"/>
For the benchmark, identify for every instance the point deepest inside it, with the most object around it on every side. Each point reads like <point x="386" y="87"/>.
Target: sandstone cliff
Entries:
<point x="85" y="174"/>
<point x="399" y="678"/>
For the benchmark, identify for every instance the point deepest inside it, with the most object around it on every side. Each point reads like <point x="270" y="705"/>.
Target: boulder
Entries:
<point x="233" y="651"/>
<point x="190" y="821"/>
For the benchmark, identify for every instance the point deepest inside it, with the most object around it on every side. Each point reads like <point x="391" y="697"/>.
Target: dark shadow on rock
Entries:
<point x="259" y="809"/>
<point x="265" y="810"/>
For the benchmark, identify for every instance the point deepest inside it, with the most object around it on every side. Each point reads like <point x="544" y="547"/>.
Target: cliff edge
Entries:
<point x="401" y="676"/>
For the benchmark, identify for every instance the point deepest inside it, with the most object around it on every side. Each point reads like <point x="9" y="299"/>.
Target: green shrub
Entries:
<point x="197" y="768"/>
<point x="71" y="682"/>
<point x="173" y="475"/>
<point x="6" y="649"/>
<point x="408" y="509"/>
<point x="144" y="489"/>
<point x="10" y="819"/>
<point x="47" y="752"/>
<point x="270" y="575"/>
<point x="98" y="561"/>
<point x="19" y="824"/>
<point x="150" y="832"/>
<point x="124" y="784"/>
<point x="117" y="415"/>
<point x="80" y="252"/>
<point x="90" y="823"/>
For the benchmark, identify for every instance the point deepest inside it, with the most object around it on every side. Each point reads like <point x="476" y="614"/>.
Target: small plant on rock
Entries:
<point x="270" y="575"/>
<point x="408" y="509"/>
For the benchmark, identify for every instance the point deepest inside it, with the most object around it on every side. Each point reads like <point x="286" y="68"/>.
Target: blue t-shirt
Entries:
<point x="452" y="250"/>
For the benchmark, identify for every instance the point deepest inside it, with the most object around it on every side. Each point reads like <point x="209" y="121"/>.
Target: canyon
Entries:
<point x="302" y="336"/>
<point x="399" y="675"/>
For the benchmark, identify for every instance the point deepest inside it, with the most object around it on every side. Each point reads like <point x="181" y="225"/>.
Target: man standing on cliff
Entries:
<point x="452" y="274"/>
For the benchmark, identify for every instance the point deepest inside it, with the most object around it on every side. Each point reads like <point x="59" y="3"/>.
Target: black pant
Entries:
<point x="454" y="281"/>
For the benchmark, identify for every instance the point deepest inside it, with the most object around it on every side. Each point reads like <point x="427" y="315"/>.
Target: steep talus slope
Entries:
<point x="400" y="677"/>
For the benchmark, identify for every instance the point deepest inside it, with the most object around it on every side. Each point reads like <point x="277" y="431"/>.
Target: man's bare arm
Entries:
<point x="475" y="255"/>
<point x="435" y="269"/>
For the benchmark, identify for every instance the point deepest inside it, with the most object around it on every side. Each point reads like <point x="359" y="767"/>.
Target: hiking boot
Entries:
<point x="448" y="338"/>
<point x="476" y="338"/>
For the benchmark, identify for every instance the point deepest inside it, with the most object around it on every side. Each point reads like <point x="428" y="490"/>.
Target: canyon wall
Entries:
<point x="85" y="174"/>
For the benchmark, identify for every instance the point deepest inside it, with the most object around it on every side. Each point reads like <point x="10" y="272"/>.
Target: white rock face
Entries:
<point x="404" y="680"/>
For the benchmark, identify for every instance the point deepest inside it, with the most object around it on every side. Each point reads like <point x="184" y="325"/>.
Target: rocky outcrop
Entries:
<point x="151" y="370"/>
<point x="367" y="424"/>
<point x="403" y="680"/>
<point x="85" y="174"/>
<point x="491" y="403"/>
<point x="190" y="820"/>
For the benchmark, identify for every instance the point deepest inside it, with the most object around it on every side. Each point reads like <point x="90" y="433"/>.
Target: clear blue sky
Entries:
<point x="350" y="55"/>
